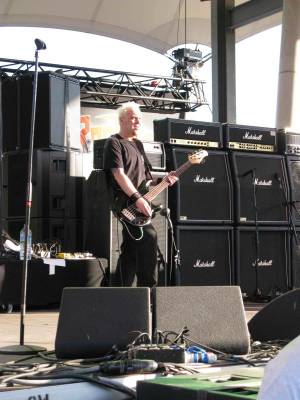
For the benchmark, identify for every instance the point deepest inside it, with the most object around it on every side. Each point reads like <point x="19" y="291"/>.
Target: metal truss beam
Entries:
<point x="109" y="89"/>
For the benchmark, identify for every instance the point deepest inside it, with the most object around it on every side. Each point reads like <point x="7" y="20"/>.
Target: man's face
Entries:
<point x="131" y="122"/>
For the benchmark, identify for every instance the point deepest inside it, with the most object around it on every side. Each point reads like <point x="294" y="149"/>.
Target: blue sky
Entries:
<point x="257" y="63"/>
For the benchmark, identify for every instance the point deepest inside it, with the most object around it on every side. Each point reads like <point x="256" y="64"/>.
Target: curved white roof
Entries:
<point x="155" y="24"/>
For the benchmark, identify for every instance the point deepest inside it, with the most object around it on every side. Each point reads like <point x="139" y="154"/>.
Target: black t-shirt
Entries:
<point x="126" y="154"/>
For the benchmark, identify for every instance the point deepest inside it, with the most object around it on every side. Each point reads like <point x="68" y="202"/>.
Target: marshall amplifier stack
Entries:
<point x="236" y="205"/>
<point x="262" y="211"/>
<point x="201" y="202"/>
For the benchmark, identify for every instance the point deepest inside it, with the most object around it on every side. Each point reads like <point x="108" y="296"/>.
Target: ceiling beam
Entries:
<point x="253" y="10"/>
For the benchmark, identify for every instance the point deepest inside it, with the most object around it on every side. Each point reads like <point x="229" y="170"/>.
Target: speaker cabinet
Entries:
<point x="69" y="232"/>
<point x="104" y="231"/>
<point x="295" y="263"/>
<point x="214" y="315"/>
<point x="261" y="188"/>
<point x="203" y="193"/>
<point x="293" y="166"/>
<point x="266" y="324"/>
<point x="57" y="123"/>
<point x="57" y="184"/>
<point x="263" y="261"/>
<point x="206" y="255"/>
<point x="93" y="320"/>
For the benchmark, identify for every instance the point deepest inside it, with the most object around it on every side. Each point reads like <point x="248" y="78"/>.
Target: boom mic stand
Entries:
<point x="257" y="292"/>
<point x="23" y="349"/>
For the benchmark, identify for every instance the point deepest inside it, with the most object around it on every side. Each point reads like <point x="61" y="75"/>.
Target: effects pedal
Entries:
<point x="159" y="353"/>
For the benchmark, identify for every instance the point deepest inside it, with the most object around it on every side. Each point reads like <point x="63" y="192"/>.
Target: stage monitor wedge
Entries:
<point x="93" y="320"/>
<point x="214" y="315"/>
<point x="279" y="319"/>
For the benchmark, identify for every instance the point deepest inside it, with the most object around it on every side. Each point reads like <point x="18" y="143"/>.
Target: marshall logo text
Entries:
<point x="263" y="263"/>
<point x="204" y="264"/>
<point x="199" y="179"/>
<point x="262" y="182"/>
<point x="252" y="136"/>
<point x="191" y="131"/>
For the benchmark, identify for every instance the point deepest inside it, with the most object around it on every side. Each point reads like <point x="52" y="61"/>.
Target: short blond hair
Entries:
<point x="130" y="105"/>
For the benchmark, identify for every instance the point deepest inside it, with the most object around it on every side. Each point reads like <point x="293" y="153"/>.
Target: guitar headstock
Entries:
<point x="198" y="156"/>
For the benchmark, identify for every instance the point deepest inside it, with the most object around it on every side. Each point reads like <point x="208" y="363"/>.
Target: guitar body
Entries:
<point x="126" y="212"/>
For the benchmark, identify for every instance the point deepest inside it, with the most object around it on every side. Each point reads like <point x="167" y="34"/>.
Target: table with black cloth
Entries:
<point x="45" y="282"/>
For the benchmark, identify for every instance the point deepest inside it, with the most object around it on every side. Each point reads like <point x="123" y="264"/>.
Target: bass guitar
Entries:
<point x="129" y="214"/>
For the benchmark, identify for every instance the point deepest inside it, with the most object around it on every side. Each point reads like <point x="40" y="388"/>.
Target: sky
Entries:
<point x="257" y="64"/>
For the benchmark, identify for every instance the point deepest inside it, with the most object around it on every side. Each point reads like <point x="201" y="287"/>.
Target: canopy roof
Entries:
<point x="155" y="24"/>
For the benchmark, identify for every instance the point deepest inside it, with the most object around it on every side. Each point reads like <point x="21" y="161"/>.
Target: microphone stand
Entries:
<point x="291" y="221"/>
<point x="173" y="246"/>
<point x="23" y="349"/>
<point x="257" y="292"/>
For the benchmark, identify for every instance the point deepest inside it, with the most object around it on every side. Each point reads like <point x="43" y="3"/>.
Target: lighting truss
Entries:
<point x="109" y="89"/>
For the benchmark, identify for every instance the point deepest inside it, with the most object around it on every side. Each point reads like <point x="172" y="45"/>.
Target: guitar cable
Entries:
<point x="129" y="233"/>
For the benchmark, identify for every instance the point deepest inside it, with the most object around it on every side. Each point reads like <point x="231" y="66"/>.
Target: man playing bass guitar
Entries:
<point x="127" y="168"/>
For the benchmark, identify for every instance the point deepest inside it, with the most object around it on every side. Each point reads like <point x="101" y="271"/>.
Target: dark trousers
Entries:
<point x="138" y="258"/>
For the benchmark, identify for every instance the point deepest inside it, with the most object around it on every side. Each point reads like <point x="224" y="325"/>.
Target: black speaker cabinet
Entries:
<point x="57" y="184"/>
<point x="293" y="167"/>
<point x="214" y="315"/>
<point x="93" y="320"/>
<point x="263" y="261"/>
<point x="69" y="232"/>
<point x="203" y="193"/>
<point x="261" y="188"/>
<point x="295" y="264"/>
<point x="206" y="255"/>
<point x="57" y="123"/>
<point x="104" y="231"/>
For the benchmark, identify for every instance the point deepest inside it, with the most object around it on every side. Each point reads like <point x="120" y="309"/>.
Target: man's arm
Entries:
<point x="129" y="189"/>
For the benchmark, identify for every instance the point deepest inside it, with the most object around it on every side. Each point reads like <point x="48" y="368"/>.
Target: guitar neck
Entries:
<point x="156" y="190"/>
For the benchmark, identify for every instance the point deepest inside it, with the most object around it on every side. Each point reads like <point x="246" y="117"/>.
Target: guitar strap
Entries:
<point x="146" y="161"/>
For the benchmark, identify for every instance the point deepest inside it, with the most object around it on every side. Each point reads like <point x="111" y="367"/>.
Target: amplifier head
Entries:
<point x="250" y="138"/>
<point x="188" y="133"/>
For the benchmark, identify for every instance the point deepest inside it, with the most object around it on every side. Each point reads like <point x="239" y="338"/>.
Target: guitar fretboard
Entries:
<point x="156" y="190"/>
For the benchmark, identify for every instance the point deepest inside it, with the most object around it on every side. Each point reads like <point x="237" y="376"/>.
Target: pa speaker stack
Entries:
<point x="57" y="182"/>
<point x="201" y="202"/>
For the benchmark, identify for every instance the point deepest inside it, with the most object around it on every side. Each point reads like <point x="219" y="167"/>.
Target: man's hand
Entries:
<point x="171" y="178"/>
<point x="143" y="206"/>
